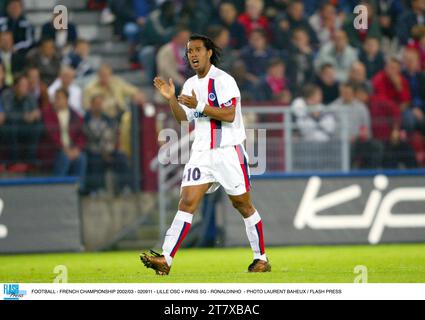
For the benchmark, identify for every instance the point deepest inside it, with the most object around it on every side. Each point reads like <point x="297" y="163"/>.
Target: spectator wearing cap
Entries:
<point x="338" y="53"/>
<point x="16" y="22"/>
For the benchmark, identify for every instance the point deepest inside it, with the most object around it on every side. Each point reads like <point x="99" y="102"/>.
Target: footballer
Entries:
<point x="212" y="99"/>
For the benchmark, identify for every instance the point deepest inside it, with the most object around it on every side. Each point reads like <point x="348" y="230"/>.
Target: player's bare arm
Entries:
<point x="222" y="114"/>
<point x="168" y="91"/>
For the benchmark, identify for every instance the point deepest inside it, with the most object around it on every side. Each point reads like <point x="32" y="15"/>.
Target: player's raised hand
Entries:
<point x="167" y="90"/>
<point x="188" y="101"/>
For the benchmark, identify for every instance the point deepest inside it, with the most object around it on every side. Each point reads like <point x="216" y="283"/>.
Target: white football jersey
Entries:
<point x="217" y="89"/>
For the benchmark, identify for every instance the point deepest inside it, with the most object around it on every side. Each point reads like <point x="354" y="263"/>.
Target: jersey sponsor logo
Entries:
<point x="212" y="96"/>
<point x="199" y="115"/>
<point x="378" y="212"/>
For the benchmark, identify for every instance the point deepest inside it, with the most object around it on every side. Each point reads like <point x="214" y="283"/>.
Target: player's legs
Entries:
<point x="190" y="199"/>
<point x="253" y="224"/>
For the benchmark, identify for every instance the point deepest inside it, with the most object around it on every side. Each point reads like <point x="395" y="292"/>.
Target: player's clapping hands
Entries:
<point x="188" y="101"/>
<point x="167" y="90"/>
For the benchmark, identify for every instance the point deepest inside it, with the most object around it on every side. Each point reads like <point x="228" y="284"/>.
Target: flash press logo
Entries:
<point x="3" y="228"/>
<point x="12" y="292"/>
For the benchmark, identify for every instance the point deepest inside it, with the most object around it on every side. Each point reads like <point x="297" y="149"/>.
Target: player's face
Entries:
<point x="198" y="55"/>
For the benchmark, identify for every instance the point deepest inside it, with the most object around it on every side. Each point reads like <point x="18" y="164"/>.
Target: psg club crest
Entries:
<point x="212" y="96"/>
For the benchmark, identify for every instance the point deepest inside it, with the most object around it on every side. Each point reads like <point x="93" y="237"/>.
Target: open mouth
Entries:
<point x="195" y="62"/>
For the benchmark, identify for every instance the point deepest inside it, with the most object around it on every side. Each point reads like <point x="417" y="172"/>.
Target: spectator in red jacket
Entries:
<point x="391" y="84"/>
<point x="385" y="114"/>
<point x="253" y="17"/>
<point x="64" y="129"/>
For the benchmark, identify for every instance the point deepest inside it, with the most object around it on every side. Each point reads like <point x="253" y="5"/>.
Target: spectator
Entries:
<point x="409" y="19"/>
<point x="221" y="37"/>
<point x="253" y="18"/>
<point x="415" y="114"/>
<point x="3" y="85"/>
<point x="228" y="19"/>
<point x="385" y="114"/>
<point x="312" y="121"/>
<point x="274" y="86"/>
<point x="37" y="88"/>
<point x="257" y="54"/>
<point x="388" y="12"/>
<point x="159" y="29"/>
<point x="194" y="15"/>
<point x="286" y="23"/>
<point x="171" y="59"/>
<point x="325" y="22"/>
<point x="327" y="82"/>
<point x="132" y="15"/>
<point x="22" y="129"/>
<point x="398" y="152"/>
<point x="114" y="90"/>
<point x="357" y="36"/>
<point x="64" y="129"/>
<point x="160" y="25"/>
<point x="372" y="56"/>
<point x="354" y="117"/>
<point x="358" y="75"/>
<point x="79" y="60"/>
<point x="66" y="81"/>
<point x="11" y="60"/>
<point x="246" y="81"/>
<point x="391" y="84"/>
<point x="102" y="153"/>
<point x="338" y="53"/>
<point x="63" y="39"/>
<point x="16" y="22"/>
<point x="300" y="61"/>
<point x="419" y="43"/>
<point x="47" y="60"/>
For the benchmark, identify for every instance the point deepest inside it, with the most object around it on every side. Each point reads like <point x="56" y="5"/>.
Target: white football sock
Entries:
<point x="176" y="234"/>
<point x="254" y="231"/>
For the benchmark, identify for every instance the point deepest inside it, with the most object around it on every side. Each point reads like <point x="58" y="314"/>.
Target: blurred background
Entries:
<point x="79" y="119"/>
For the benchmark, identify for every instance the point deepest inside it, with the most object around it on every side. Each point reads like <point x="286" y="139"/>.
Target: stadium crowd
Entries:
<point x="303" y="54"/>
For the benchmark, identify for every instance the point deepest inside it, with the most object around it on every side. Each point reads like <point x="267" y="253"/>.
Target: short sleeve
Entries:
<point x="190" y="113"/>
<point x="227" y="90"/>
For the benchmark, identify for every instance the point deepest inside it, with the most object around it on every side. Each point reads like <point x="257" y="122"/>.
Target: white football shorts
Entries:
<point x="226" y="166"/>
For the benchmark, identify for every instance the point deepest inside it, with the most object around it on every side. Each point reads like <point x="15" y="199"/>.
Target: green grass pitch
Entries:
<point x="324" y="264"/>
